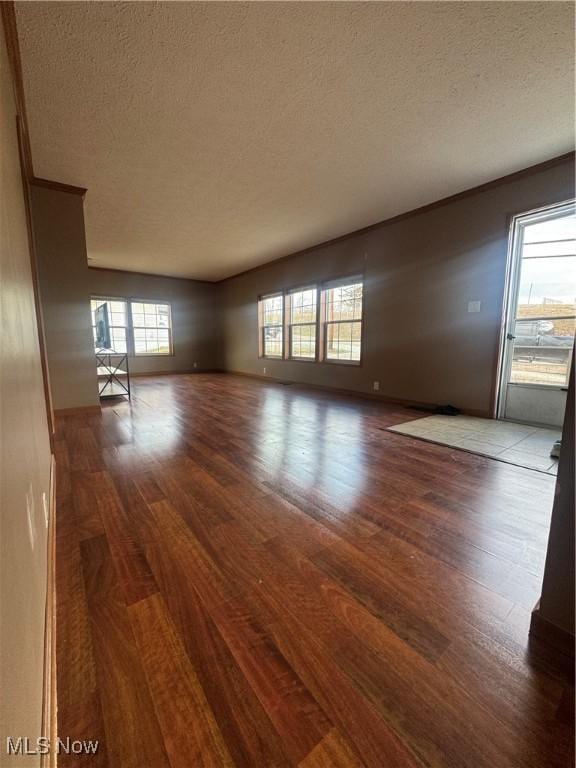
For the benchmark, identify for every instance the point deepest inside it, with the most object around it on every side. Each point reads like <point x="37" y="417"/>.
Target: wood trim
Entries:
<point x="50" y="691"/>
<point x="58" y="186"/>
<point x="414" y="212"/>
<point x="558" y="638"/>
<point x="374" y="397"/>
<point x="7" y="10"/>
<point x="8" y="15"/>
<point x="83" y="409"/>
<point x="33" y="251"/>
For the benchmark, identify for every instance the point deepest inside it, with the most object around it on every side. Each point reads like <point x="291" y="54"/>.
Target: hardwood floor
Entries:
<point x="257" y="575"/>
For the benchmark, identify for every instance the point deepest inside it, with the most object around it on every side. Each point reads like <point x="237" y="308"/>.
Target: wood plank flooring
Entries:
<point x="258" y="575"/>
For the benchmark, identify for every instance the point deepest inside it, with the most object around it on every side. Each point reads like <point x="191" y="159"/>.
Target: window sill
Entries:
<point x="301" y="360"/>
<point x="353" y="363"/>
<point x="152" y="354"/>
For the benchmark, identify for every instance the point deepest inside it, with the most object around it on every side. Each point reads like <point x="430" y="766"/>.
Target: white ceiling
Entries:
<point x="213" y="137"/>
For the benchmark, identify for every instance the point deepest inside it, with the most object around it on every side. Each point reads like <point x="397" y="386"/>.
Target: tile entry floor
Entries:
<point x="520" y="444"/>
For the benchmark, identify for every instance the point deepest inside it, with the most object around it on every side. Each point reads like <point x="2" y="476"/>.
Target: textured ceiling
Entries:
<point x="213" y="137"/>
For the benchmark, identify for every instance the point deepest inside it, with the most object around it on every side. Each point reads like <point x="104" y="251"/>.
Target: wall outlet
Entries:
<point x="474" y="306"/>
<point x="195" y="365"/>
<point x="376" y="386"/>
<point x="263" y="370"/>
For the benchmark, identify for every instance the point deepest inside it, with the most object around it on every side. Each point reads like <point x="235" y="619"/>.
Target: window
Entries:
<point x="116" y="313"/>
<point x="136" y="327"/>
<point x="343" y="322"/>
<point x="340" y="311"/>
<point x="151" y="327"/>
<point x="302" y="326"/>
<point x="545" y="320"/>
<point x="272" y="325"/>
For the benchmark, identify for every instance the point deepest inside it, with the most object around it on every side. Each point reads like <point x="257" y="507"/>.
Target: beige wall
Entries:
<point x="420" y="342"/>
<point x="58" y="220"/>
<point x="25" y="456"/>
<point x="195" y="317"/>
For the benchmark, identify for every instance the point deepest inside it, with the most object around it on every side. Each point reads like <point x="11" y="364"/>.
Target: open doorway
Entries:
<point x="540" y="317"/>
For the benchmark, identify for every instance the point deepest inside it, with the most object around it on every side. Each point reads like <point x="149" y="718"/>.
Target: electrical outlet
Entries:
<point x="474" y="306"/>
<point x="263" y="370"/>
<point x="376" y="386"/>
<point x="195" y="365"/>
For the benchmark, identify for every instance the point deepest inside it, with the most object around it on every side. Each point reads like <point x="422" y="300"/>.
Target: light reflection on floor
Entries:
<point x="292" y="443"/>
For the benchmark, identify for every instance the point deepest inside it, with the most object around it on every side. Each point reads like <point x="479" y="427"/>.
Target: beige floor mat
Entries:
<point x="519" y="444"/>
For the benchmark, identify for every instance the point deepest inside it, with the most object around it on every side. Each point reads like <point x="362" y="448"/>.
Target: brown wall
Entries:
<point x="58" y="220"/>
<point x="420" y="342"/>
<point x="67" y="284"/>
<point x="557" y="601"/>
<point x="195" y="317"/>
<point x="24" y="455"/>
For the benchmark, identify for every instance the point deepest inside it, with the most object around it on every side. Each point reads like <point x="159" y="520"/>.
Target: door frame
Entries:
<point x="511" y="287"/>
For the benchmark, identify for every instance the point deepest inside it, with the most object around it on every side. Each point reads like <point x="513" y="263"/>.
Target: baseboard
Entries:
<point x="81" y="410"/>
<point x="302" y="385"/>
<point x="560" y="639"/>
<point x="49" y="688"/>
<point x="358" y="393"/>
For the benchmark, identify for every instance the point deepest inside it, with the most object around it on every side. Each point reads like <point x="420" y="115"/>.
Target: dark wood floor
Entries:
<point x="255" y="575"/>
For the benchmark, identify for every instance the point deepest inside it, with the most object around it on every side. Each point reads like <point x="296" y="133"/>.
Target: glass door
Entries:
<point x="541" y="318"/>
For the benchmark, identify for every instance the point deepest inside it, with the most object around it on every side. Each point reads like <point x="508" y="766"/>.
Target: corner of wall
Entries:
<point x="58" y="223"/>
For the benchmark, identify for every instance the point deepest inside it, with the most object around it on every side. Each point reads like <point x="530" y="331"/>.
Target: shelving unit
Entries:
<point x="113" y="374"/>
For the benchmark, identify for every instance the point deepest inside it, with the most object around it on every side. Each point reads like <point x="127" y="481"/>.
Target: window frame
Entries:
<point x="130" y="345"/>
<point x="133" y="353"/>
<point x="291" y="325"/>
<point x="262" y="326"/>
<point x="322" y="287"/>
<point x="126" y="327"/>
<point x="325" y="287"/>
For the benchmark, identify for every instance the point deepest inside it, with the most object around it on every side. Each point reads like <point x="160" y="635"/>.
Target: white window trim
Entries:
<point x="262" y="326"/>
<point x="291" y="325"/>
<point x="133" y="352"/>
<point x="339" y="283"/>
<point x="130" y="345"/>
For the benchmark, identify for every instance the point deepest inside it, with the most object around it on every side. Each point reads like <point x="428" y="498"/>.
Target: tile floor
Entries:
<point x="519" y="444"/>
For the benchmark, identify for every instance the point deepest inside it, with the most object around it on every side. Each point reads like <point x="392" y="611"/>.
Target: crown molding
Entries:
<point x="8" y="14"/>
<point x="58" y="186"/>
<point x="415" y="211"/>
